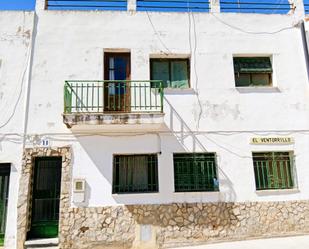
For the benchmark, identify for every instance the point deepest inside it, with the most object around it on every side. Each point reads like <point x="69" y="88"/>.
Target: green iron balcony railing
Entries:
<point x="116" y="96"/>
<point x="274" y="170"/>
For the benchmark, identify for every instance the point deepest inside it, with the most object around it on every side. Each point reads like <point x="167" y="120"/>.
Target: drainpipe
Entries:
<point x="28" y="82"/>
<point x="305" y="45"/>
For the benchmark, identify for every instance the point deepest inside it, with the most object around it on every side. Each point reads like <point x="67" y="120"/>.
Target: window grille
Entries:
<point x="273" y="170"/>
<point x="195" y="172"/>
<point x="135" y="173"/>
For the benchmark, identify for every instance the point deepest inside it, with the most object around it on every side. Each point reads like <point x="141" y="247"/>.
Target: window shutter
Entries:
<point x="179" y="73"/>
<point x="252" y="65"/>
<point x="160" y="71"/>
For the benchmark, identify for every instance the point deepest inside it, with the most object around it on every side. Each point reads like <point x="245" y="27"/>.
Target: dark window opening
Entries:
<point x="195" y="172"/>
<point x="135" y="173"/>
<point x="174" y="73"/>
<point x="252" y="71"/>
<point x="273" y="170"/>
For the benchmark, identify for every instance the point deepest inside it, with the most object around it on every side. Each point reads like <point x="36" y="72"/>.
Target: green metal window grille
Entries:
<point x="135" y="173"/>
<point x="252" y="71"/>
<point x="273" y="170"/>
<point x="195" y="172"/>
<point x="173" y="72"/>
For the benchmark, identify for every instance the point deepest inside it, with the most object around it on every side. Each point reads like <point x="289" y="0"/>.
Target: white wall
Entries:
<point x="73" y="49"/>
<point x="69" y="46"/>
<point x="93" y="161"/>
<point x="15" y="39"/>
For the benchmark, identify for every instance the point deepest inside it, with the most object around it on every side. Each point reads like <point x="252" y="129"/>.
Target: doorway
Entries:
<point x="45" y="198"/>
<point x="117" y="73"/>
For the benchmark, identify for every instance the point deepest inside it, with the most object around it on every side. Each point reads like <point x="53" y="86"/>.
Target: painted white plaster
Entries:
<point x="73" y="49"/>
<point x="15" y="34"/>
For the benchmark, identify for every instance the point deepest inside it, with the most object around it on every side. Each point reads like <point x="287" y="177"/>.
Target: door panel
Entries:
<point x="45" y="198"/>
<point x="4" y="194"/>
<point x="117" y="93"/>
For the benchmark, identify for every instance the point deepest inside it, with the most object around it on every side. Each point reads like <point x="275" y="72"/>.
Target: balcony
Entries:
<point x="113" y="104"/>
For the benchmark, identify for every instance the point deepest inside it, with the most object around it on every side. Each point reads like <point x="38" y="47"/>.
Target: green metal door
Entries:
<point x="4" y="194"/>
<point x="45" y="198"/>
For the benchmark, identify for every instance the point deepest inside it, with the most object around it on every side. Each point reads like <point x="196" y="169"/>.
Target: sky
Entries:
<point x="145" y="5"/>
<point x="17" y="4"/>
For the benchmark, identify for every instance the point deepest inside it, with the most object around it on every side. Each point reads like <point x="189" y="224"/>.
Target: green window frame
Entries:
<point x="5" y="171"/>
<point x="195" y="172"/>
<point x="135" y="173"/>
<point x="175" y="73"/>
<point x="273" y="170"/>
<point x="252" y="71"/>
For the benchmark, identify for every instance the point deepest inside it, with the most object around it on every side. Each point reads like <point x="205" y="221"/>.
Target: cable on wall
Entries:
<point x="22" y="82"/>
<point x="253" y="32"/>
<point x="158" y="35"/>
<point x="193" y="52"/>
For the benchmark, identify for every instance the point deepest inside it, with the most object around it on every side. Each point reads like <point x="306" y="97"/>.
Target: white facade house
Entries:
<point x="216" y="149"/>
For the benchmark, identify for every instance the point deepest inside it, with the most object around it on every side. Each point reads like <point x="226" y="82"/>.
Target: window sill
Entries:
<point x="179" y="91"/>
<point x="258" y="89"/>
<point x="134" y="193"/>
<point x="277" y="192"/>
<point x="198" y="192"/>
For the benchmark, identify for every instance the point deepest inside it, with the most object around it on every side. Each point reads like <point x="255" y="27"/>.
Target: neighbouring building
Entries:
<point x="153" y="124"/>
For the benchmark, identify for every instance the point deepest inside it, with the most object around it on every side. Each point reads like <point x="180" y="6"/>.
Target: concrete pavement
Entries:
<point x="295" y="242"/>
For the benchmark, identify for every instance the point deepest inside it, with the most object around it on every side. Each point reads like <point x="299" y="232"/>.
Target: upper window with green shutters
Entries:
<point x="174" y="73"/>
<point x="252" y="71"/>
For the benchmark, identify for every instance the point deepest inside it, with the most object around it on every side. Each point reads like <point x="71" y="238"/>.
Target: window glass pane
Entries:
<point x="195" y="172"/>
<point x="273" y="170"/>
<point x="120" y="70"/>
<point x="160" y="71"/>
<point x="135" y="174"/>
<point x="252" y="71"/>
<point x="260" y="79"/>
<point x="179" y="74"/>
<point x="242" y="79"/>
<point x="140" y="172"/>
<point x="111" y="68"/>
<point x="117" y="69"/>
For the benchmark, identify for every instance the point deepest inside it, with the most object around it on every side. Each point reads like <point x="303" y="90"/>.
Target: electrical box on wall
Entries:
<point x="79" y="190"/>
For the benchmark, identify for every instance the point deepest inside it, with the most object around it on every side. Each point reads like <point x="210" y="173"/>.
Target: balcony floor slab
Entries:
<point x="114" y="121"/>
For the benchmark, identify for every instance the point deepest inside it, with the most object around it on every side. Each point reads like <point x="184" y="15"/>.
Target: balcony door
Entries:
<point x="117" y="71"/>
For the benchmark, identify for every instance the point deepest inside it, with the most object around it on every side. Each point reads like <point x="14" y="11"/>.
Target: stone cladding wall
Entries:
<point x="182" y="224"/>
<point x="25" y="189"/>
